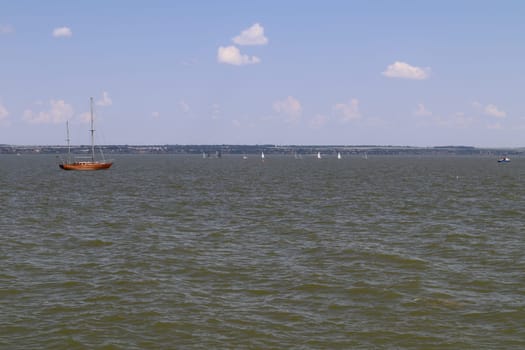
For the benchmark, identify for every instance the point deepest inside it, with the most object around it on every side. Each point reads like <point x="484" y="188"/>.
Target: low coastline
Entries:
<point x="218" y="150"/>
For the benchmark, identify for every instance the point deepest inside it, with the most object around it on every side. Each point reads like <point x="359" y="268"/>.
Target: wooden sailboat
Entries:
<point x="90" y="163"/>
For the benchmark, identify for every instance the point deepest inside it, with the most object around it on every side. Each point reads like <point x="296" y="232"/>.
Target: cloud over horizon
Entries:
<point x="232" y="55"/>
<point x="62" y="32"/>
<point x="494" y="111"/>
<point x="58" y="112"/>
<point x="348" y="111"/>
<point x="105" y="100"/>
<point x="3" y="112"/>
<point x="251" y="36"/>
<point x="290" y="107"/>
<point x="404" y="70"/>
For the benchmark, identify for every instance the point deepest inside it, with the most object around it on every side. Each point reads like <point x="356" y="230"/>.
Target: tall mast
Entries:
<point x="68" y="142"/>
<point x="92" y="132"/>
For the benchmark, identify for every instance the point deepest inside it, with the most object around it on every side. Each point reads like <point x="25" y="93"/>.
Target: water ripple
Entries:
<point x="167" y="252"/>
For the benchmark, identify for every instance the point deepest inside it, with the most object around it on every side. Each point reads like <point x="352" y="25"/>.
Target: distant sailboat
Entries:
<point x="318" y="155"/>
<point x="262" y="156"/>
<point x="90" y="164"/>
<point x="338" y="155"/>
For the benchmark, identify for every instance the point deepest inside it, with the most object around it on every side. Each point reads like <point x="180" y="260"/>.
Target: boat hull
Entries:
<point x="86" y="166"/>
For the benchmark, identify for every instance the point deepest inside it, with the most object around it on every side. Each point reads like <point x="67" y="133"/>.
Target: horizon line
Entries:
<point x="262" y="145"/>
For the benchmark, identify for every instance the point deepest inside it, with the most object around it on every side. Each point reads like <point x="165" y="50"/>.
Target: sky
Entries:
<point x="370" y="72"/>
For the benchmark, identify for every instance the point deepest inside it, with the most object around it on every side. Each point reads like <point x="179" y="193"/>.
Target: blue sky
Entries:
<point x="415" y="73"/>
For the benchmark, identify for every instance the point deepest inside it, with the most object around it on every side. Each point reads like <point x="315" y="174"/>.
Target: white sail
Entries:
<point x="318" y="155"/>
<point x="338" y="155"/>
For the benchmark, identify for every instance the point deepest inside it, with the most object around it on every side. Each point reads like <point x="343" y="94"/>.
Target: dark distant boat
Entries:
<point x="90" y="163"/>
<point x="504" y="159"/>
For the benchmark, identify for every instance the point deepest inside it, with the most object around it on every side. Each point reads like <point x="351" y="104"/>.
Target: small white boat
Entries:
<point x="318" y="155"/>
<point x="262" y="156"/>
<point x="504" y="159"/>
<point x="338" y="155"/>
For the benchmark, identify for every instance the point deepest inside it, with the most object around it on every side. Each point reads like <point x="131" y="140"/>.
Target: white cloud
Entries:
<point x="489" y="110"/>
<point x="105" y="100"/>
<point x="494" y="111"/>
<point x="6" y="29"/>
<point x="318" y="121"/>
<point x="3" y="112"/>
<point x="62" y="32"/>
<point x="405" y="71"/>
<point x="58" y="112"/>
<point x="232" y="55"/>
<point x="252" y="36"/>
<point x="422" y="111"/>
<point x="290" y="107"/>
<point x="184" y="107"/>
<point x="348" y="111"/>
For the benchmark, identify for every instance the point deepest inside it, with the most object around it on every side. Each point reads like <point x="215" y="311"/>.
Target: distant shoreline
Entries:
<point x="219" y="150"/>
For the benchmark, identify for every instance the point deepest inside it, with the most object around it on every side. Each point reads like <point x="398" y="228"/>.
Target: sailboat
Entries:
<point x="338" y="155"/>
<point x="318" y="155"/>
<point x="91" y="163"/>
<point x="262" y="156"/>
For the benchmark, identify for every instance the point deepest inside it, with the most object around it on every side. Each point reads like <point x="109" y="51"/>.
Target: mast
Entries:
<point x="92" y="132"/>
<point x="68" y="142"/>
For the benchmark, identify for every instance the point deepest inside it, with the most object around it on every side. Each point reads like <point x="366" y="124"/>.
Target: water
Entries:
<point x="180" y="252"/>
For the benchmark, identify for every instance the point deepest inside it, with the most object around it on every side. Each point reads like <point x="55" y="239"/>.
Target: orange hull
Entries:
<point x="86" y="166"/>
